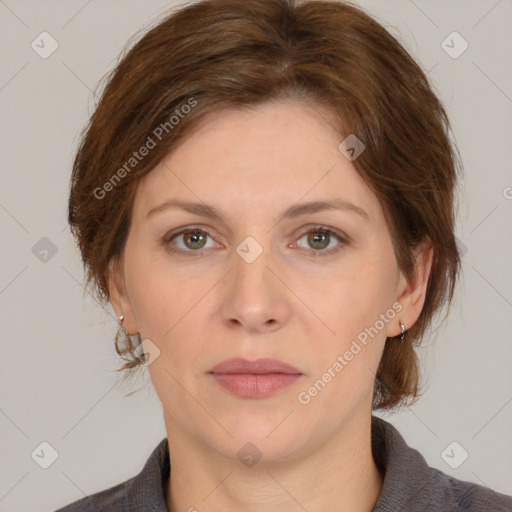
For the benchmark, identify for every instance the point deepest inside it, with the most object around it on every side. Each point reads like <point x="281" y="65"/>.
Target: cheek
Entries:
<point x="162" y="294"/>
<point x="357" y="297"/>
<point x="353" y="309"/>
<point x="171" y="310"/>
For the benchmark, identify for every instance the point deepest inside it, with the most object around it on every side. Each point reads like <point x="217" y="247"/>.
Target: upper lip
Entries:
<point x="257" y="367"/>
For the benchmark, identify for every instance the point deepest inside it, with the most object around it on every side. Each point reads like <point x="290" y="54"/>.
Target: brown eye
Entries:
<point x="194" y="239"/>
<point x="188" y="241"/>
<point x="318" y="240"/>
<point x="322" y="241"/>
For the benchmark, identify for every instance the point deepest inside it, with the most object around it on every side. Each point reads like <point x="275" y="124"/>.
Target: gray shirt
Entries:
<point x="410" y="485"/>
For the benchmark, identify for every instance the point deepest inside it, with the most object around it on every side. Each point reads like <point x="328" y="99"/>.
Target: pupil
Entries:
<point x="195" y="237"/>
<point x="317" y="239"/>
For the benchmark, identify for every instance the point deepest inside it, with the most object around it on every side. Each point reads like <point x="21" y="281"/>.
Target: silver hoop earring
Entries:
<point x="402" y="326"/>
<point x="127" y="334"/>
<point x="120" y="322"/>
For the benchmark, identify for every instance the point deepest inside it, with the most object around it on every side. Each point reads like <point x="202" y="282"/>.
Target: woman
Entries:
<point x="265" y="195"/>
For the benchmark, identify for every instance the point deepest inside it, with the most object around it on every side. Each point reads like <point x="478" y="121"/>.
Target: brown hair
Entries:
<point x="217" y="54"/>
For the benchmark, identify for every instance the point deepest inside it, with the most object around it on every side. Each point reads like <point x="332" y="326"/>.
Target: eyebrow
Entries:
<point x="290" y="213"/>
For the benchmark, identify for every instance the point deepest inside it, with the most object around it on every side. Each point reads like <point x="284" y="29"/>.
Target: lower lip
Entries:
<point x="255" y="386"/>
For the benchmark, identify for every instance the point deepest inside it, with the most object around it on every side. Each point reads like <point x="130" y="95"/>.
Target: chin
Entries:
<point x="251" y="447"/>
<point x="269" y="434"/>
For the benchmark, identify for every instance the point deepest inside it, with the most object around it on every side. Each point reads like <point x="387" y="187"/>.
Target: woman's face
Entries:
<point x="304" y="287"/>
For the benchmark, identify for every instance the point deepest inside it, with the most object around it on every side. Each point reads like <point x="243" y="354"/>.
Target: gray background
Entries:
<point x="58" y="381"/>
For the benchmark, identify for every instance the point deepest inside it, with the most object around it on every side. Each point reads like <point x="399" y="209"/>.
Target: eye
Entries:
<point x="192" y="239"/>
<point x="320" y="239"/>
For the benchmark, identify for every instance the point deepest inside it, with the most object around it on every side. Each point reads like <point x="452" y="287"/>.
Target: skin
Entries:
<point x="207" y="305"/>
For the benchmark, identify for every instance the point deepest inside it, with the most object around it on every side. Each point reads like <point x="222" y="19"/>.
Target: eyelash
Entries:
<point x="169" y="237"/>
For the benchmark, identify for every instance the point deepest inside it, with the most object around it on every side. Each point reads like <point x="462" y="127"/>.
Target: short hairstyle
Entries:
<point x="227" y="54"/>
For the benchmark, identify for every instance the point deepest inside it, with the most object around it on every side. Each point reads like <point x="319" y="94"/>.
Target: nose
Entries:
<point x="255" y="299"/>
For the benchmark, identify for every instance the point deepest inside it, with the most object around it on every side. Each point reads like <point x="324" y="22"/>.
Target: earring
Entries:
<point x="402" y="326"/>
<point x="120" y="322"/>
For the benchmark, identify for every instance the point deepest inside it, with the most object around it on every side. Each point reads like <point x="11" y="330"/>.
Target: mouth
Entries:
<point x="254" y="379"/>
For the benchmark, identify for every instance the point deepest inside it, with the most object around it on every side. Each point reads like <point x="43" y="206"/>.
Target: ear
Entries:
<point x="411" y="294"/>
<point x="119" y="298"/>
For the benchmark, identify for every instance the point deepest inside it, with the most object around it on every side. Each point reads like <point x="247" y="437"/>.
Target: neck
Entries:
<point x="340" y="474"/>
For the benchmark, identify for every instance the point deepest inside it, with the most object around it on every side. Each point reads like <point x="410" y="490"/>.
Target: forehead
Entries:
<point x="261" y="158"/>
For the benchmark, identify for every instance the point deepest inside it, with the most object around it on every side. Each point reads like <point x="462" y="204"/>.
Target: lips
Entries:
<point x="257" y="367"/>
<point x="254" y="379"/>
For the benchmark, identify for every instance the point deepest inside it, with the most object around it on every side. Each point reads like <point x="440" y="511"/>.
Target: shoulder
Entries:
<point x="465" y="496"/>
<point x="145" y="491"/>
<point x="111" y="499"/>
<point x="411" y="485"/>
